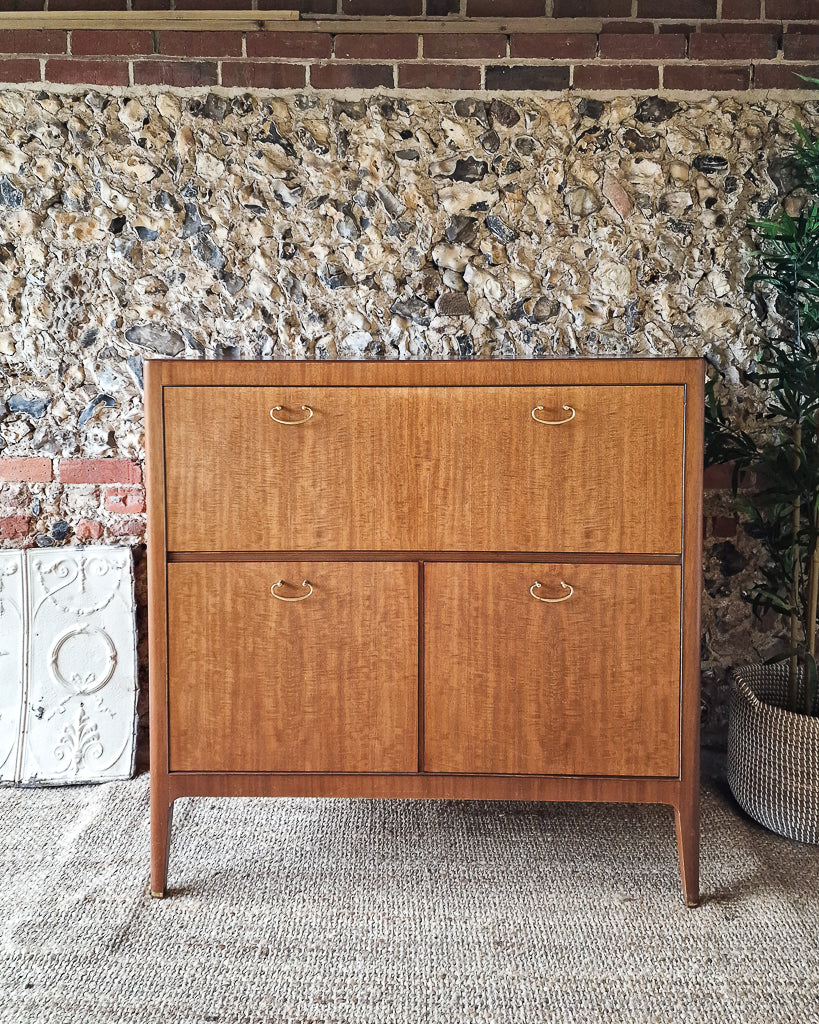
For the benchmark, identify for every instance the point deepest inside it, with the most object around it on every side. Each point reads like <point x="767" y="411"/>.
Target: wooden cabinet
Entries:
<point x="463" y="580"/>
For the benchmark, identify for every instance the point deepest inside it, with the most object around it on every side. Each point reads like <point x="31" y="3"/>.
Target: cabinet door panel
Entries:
<point x="324" y="684"/>
<point x="584" y="686"/>
<point x="425" y="469"/>
<point x="605" y="474"/>
<point x="239" y="480"/>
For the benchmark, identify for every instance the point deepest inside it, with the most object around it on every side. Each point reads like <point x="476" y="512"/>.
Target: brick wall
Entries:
<point x="510" y="45"/>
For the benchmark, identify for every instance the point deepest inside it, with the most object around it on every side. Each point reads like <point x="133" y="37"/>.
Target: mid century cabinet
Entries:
<point x="426" y="579"/>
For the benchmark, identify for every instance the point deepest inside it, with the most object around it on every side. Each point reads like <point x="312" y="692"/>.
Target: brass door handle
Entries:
<point x="551" y="600"/>
<point x="554" y="423"/>
<point x="280" y="583"/>
<point x="290" y="423"/>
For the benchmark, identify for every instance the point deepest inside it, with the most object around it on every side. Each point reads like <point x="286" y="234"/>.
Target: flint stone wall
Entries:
<point x="229" y="226"/>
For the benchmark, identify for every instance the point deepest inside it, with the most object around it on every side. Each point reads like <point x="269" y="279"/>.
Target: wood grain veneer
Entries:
<point x="430" y="487"/>
<point x="589" y="685"/>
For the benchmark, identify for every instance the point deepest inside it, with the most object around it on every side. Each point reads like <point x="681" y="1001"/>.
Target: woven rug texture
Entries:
<point x="287" y="911"/>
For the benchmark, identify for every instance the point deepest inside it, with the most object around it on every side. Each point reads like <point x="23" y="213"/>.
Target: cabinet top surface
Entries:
<point x="470" y="373"/>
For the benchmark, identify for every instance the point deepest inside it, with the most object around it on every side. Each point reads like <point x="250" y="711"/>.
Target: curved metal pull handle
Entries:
<point x="554" y="423"/>
<point x="551" y="600"/>
<point x="280" y="583"/>
<point x="290" y="423"/>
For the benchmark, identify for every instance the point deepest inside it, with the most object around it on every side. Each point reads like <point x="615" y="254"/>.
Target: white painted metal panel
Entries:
<point x="80" y="715"/>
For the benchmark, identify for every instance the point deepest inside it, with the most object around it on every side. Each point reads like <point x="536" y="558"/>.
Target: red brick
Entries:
<point x="677" y="9"/>
<point x="14" y="527"/>
<point x="629" y="26"/>
<point x="19" y="6"/>
<point x="100" y="471"/>
<point x="784" y="76"/>
<point x="214" y="5"/>
<point x="289" y="44"/>
<point x="401" y="8"/>
<point x="800" y="46"/>
<point x="125" y="500"/>
<point x="730" y="46"/>
<point x="33" y="469"/>
<point x="464" y="45"/>
<point x="553" y="45"/>
<point x="351" y="76"/>
<point x="127" y="528"/>
<point x="641" y="47"/>
<point x="681" y="29"/>
<point x="724" y="526"/>
<point x="792" y="10"/>
<point x="245" y="74"/>
<point x="175" y="72"/>
<point x="88" y="529"/>
<point x="32" y="41"/>
<point x="305" y="6"/>
<point x="87" y="5"/>
<point x="438" y="76"/>
<point x="99" y="42"/>
<point x="591" y="9"/>
<point x="770" y="28"/>
<point x="150" y="5"/>
<point x="517" y="77"/>
<point x="377" y="46"/>
<point x="87" y="72"/>
<point x="740" y="9"/>
<point x="504" y="8"/>
<point x="616" y="76"/>
<point x="708" y="77"/>
<point x="19" y="71"/>
<point x="199" y="44"/>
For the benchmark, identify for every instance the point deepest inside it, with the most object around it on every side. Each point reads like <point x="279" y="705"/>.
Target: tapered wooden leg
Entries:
<point x="161" y="822"/>
<point x="687" y="817"/>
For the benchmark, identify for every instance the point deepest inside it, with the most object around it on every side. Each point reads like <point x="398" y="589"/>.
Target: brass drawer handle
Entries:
<point x="290" y="423"/>
<point x="280" y="583"/>
<point x="553" y="423"/>
<point x="551" y="600"/>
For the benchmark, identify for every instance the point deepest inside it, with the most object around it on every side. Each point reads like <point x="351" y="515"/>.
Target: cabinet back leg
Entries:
<point x="687" y="818"/>
<point x="161" y="822"/>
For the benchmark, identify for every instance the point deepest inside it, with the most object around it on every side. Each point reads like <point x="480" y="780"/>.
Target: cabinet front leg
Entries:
<point x="161" y="822"/>
<point x="687" y="817"/>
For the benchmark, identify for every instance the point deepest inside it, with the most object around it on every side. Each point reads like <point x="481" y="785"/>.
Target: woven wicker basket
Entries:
<point x="773" y="754"/>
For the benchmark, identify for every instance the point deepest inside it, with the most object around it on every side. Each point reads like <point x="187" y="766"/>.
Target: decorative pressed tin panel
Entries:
<point x="68" y="713"/>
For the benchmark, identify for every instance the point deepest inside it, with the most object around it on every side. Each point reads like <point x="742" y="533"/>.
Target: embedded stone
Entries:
<point x="708" y="163"/>
<point x="490" y="141"/>
<point x="462" y="229"/>
<point x="593" y="109"/>
<point x="9" y="195"/>
<point x="503" y="113"/>
<point x="500" y="230"/>
<point x="157" y="339"/>
<point x="582" y="202"/>
<point x="616" y="195"/>
<point x="33" y="407"/>
<point x="472" y="108"/>
<point x="412" y="309"/>
<point x="653" y="110"/>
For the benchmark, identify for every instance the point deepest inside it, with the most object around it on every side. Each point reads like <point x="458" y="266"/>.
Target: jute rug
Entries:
<point x="368" y="912"/>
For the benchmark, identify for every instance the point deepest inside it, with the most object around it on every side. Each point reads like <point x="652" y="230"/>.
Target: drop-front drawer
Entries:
<point x="316" y="673"/>
<point x="586" y="469"/>
<point x="552" y="669"/>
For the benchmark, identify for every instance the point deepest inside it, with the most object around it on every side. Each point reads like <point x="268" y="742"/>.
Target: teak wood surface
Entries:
<point x="288" y="696"/>
<point x="666" y="492"/>
<point x="580" y="483"/>
<point x="522" y="686"/>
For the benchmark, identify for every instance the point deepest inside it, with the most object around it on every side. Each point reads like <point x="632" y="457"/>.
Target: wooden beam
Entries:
<point x="289" y="21"/>
<point x="245" y="21"/>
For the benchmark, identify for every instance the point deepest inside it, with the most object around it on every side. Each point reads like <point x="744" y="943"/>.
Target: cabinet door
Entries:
<point x="320" y="683"/>
<point x="588" y="685"/>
